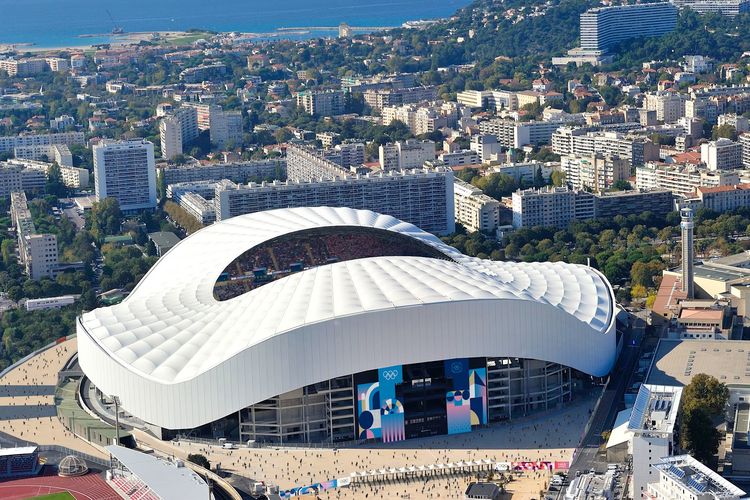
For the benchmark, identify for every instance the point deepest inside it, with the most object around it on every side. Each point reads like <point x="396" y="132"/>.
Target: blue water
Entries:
<point x="49" y="23"/>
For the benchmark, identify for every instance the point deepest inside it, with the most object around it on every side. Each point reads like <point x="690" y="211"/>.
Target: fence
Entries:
<point x="68" y="451"/>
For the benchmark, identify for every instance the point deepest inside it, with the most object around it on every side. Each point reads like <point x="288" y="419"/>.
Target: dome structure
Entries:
<point x="72" y="466"/>
<point x="223" y="321"/>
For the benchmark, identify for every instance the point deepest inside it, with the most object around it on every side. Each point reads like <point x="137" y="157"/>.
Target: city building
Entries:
<point x="49" y="302"/>
<point x="418" y="196"/>
<point x="604" y="27"/>
<point x="62" y="122"/>
<point x="322" y="102"/>
<point x="125" y="171"/>
<point x="226" y="128"/>
<point x="668" y="105"/>
<point x="37" y="252"/>
<point x="9" y="143"/>
<point x="681" y="179"/>
<point x="342" y="323"/>
<point x="652" y="424"/>
<point x="722" y="154"/>
<point x="724" y="198"/>
<point x="404" y="155"/>
<point x="347" y="155"/>
<point x="559" y="206"/>
<point x="57" y="153"/>
<point x="245" y="171"/>
<point x="524" y="172"/>
<point x="307" y="164"/>
<point x="597" y="173"/>
<point x="16" y="176"/>
<point x="475" y="210"/>
<point x="460" y="158"/>
<point x="683" y="477"/>
<point x="487" y="147"/>
<point x="513" y="134"/>
<point x="723" y="7"/>
<point x="382" y="98"/>
<point x="584" y="142"/>
<point x="170" y="135"/>
<point x="739" y="122"/>
<point x="164" y="241"/>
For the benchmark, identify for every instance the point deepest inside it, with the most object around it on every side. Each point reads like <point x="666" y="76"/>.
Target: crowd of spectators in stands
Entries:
<point x="277" y="258"/>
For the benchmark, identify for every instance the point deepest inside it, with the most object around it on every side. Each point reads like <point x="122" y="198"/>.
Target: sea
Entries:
<point x="66" y="23"/>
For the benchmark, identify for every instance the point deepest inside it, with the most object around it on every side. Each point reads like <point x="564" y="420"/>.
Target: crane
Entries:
<point x="116" y="30"/>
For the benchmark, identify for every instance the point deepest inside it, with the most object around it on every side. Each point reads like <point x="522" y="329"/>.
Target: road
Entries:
<point x="70" y="211"/>
<point x="605" y="414"/>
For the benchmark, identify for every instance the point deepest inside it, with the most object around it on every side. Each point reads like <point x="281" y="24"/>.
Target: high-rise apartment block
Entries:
<point x="125" y="170"/>
<point x="722" y="154"/>
<point x="475" y="210"/>
<point x="322" y="102"/>
<point x="604" y="27"/>
<point x="37" y="252"/>
<point x="307" y="164"/>
<point x="421" y="196"/>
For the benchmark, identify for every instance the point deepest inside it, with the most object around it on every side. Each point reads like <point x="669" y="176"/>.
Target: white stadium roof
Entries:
<point x="171" y="346"/>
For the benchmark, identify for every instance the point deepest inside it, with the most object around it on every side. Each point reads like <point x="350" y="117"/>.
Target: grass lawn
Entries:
<point x="56" y="496"/>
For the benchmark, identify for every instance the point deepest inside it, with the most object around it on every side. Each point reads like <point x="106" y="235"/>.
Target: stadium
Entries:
<point x="324" y="324"/>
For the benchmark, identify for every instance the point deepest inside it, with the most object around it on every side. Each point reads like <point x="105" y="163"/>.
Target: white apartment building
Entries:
<point x="57" y="64"/>
<point x="475" y="210"/>
<point x="382" y="98"/>
<point x="125" y="170"/>
<point x="582" y="142"/>
<point x="170" y="135"/>
<point x="487" y="147"/>
<point x="549" y="206"/>
<point x="739" y="122"/>
<point x="596" y="172"/>
<point x="723" y="7"/>
<point x="744" y="141"/>
<point x="681" y="179"/>
<point x="669" y="105"/>
<point x="405" y="155"/>
<point x="424" y="117"/>
<point x="226" y="128"/>
<point x="513" y="134"/>
<point x="37" y="252"/>
<point x="652" y="424"/>
<point x="307" y="164"/>
<point x="422" y="197"/>
<point x="722" y="154"/>
<point x="244" y="171"/>
<point x="683" y="477"/>
<point x="9" y="143"/>
<point x="57" y="153"/>
<point x="62" y="122"/>
<point x="347" y="154"/>
<point x="460" y="158"/>
<point x="18" y="177"/>
<point x="603" y="27"/>
<point x="49" y="302"/>
<point x="523" y="172"/>
<point x="33" y="175"/>
<point x="322" y="102"/>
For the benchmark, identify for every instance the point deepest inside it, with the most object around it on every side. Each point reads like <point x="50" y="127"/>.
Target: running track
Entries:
<point x="88" y="487"/>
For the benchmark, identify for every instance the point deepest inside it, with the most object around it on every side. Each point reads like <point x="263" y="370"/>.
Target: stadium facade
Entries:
<point x="328" y="324"/>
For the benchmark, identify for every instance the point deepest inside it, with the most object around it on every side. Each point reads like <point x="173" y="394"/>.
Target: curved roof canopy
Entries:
<point x="172" y="331"/>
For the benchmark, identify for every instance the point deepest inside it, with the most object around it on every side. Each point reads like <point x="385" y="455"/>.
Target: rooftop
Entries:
<point x="697" y="478"/>
<point x="166" y="479"/>
<point x="676" y="361"/>
<point x="655" y="408"/>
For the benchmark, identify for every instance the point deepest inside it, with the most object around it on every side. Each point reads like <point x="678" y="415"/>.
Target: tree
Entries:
<point x="707" y="393"/>
<point x="538" y="178"/>
<point x="105" y="218"/>
<point x="55" y="185"/>
<point x="622" y="185"/>
<point x="725" y="131"/>
<point x="699" y="436"/>
<point x="558" y="178"/>
<point x="199" y="459"/>
<point x="638" y="292"/>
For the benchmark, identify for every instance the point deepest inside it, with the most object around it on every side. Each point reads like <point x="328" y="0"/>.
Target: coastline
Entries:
<point x="173" y="37"/>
